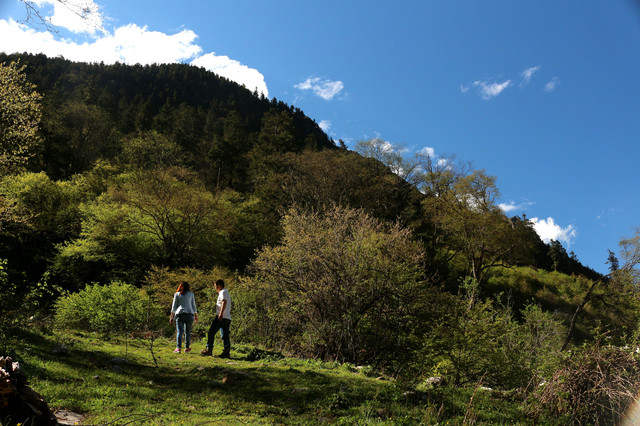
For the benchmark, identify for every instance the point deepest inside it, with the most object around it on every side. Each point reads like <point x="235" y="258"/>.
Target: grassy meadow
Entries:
<point x="117" y="382"/>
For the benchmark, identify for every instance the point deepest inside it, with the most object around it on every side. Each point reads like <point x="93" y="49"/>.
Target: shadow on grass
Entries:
<point x="266" y="387"/>
<point x="93" y="378"/>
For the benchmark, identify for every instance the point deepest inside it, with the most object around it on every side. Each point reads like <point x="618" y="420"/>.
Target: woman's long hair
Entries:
<point x="183" y="287"/>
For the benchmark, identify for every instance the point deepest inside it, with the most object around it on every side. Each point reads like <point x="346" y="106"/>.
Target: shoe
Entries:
<point x="187" y="350"/>
<point x="206" y="352"/>
<point x="224" y="355"/>
<point x="176" y="351"/>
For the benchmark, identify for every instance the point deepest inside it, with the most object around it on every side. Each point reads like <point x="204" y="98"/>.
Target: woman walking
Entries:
<point x="184" y="311"/>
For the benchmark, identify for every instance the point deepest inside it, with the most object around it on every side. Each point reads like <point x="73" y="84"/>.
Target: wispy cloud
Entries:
<point x="326" y="89"/>
<point x="486" y="89"/>
<point x="491" y="90"/>
<point x="325" y="125"/>
<point x="512" y="206"/>
<point x="552" y="85"/>
<point x="492" y="87"/>
<point x="129" y="44"/>
<point x="548" y="230"/>
<point x="528" y="74"/>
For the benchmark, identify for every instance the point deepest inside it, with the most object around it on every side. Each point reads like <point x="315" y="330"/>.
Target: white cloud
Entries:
<point x="224" y="66"/>
<point x="385" y="146"/>
<point x="508" y="207"/>
<point x="443" y="162"/>
<point x="78" y="16"/>
<point x="527" y="74"/>
<point x="552" y="85"/>
<point x="326" y="89"/>
<point x="427" y="150"/>
<point x="130" y="44"/>
<point x="491" y="90"/>
<point x="548" y="230"/>
<point x="325" y="125"/>
<point x="133" y="44"/>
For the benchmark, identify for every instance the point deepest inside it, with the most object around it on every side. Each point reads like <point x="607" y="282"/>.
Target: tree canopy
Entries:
<point x="20" y="113"/>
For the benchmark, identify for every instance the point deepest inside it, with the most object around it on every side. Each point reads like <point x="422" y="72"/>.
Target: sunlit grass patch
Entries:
<point x="116" y="382"/>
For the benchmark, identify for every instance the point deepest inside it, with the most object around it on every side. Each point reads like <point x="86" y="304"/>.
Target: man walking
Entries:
<point x="220" y="322"/>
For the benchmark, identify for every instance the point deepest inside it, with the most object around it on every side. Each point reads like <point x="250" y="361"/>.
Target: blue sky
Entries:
<point x="544" y="95"/>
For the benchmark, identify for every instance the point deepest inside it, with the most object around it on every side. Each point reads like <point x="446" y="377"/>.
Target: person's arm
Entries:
<point x="195" y="310"/>
<point x="222" y="308"/>
<point x="173" y="308"/>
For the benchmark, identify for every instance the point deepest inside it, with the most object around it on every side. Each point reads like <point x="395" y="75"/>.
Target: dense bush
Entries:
<point x="482" y="340"/>
<point x="7" y="304"/>
<point x="109" y="309"/>
<point x="342" y="286"/>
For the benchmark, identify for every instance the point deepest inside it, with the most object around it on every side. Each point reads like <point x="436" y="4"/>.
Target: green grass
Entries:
<point x="194" y="390"/>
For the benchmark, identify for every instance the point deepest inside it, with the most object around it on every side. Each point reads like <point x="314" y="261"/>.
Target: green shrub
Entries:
<point x="482" y="340"/>
<point x="342" y="286"/>
<point x="6" y="287"/>
<point x="7" y="305"/>
<point x="116" y="308"/>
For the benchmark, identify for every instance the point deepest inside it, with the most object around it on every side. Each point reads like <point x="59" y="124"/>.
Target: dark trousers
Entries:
<point x="222" y="325"/>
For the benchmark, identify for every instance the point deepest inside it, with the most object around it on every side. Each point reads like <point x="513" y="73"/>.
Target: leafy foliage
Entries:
<point x="151" y="150"/>
<point x="473" y="228"/>
<point x="115" y="308"/>
<point x="20" y="115"/>
<point x="341" y="286"/>
<point x="156" y="217"/>
<point x="43" y="214"/>
<point x="7" y="304"/>
<point x="481" y="340"/>
<point x="611" y="307"/>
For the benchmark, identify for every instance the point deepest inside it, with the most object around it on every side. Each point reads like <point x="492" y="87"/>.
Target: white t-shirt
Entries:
<point x="224" y="295"/>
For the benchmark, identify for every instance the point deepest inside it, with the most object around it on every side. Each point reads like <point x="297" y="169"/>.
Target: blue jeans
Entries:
<point x="223" y="326"/>
<point x="183" y="324"/>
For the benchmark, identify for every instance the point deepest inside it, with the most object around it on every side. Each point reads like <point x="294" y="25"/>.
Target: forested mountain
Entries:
<point x="92" y="112"/>
<point x="90" y="108"/>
